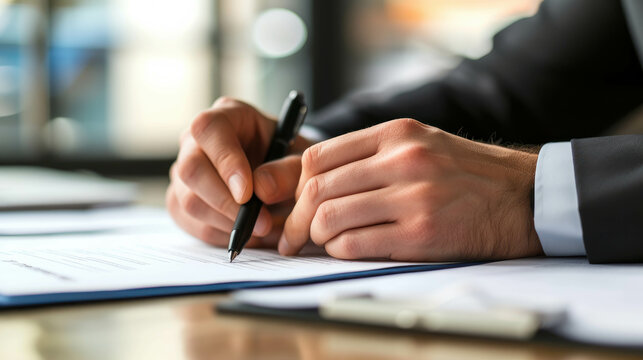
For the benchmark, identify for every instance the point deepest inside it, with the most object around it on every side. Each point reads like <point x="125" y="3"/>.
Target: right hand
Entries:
<point x="213" y="174"/>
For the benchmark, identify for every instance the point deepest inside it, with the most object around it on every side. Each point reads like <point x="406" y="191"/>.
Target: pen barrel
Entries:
<point x="277" y="150"/>
<point x="292" y="116"/>
<point x="248" y="214"/>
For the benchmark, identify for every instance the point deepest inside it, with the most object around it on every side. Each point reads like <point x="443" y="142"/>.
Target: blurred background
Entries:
<point x="108" y="85"/>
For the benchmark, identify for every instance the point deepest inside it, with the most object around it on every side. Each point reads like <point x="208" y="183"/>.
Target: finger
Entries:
<point x="185" y="134"/>
<point x="276" y="181"/>
<point x="336" y="216"/>
<point x="382" y="241"/>
<point x="271" y="240"/>
<point x="195" y="170"/>
<point x="172" y="170"/>
<point x="198" y="209"/>
<point x="199" y="229"/>
<point x="360" y="176"/>
<point x="192" y="226"/>
<point x="336" y="152"/>
<point x="194" y="206"/>
<point x="215" y="134"/>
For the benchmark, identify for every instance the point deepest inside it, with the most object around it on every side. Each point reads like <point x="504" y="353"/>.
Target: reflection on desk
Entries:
<point x="188" y="328"/>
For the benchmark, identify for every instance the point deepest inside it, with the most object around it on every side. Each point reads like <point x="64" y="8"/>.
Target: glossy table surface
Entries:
<point x="188" y="327"/>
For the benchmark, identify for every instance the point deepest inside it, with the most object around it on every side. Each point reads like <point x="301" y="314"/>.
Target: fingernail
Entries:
<point x="261" y="226"/>
<point x="283" y="246"/>
<point x="267" y="181"/>
<point x="237" y="186"/>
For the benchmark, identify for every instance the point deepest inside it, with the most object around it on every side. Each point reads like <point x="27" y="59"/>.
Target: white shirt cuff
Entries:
<point x="556" y="215"/>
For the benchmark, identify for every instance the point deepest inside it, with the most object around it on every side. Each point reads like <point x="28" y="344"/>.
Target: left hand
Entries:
<point x="406" y="191"/>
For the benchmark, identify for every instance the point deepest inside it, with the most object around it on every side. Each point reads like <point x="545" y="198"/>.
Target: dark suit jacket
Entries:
<point x="570" y="71"/>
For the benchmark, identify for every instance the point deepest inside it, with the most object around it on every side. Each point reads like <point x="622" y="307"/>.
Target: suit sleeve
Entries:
<point x="569" y="71"/>
<point x="609" y="184"/>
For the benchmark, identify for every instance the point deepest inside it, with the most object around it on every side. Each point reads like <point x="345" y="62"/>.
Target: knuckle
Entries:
<point x="200" y="123"/>
<point x="317" y="235"/>
<point x="224" y="161"/>
<point x="192" y="204"/>
<point x="310" y="157"/>
<point x="410" y="159"/>
<point x="347" y="247"/>
<point x="424" y="194"/>
<point x="188" y="170"/>
<point x="416" y="154"/>
<point x="225" y="101"/>
<point x="422" y="229"/>
<point x="325" y="215"/>
<point x="313" y="189"/>
<point x="406" y="126"/>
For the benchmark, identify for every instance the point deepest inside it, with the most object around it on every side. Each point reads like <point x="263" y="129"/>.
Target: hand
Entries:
<point x="213" y="174"/>
<point x="402" y="190"/>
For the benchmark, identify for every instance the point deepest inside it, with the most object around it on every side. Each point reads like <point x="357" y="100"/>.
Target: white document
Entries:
<point x="603" y="303"/>
<point x="82" y="263"/>
<point x="38" y="188"/>
<point x="48" y="222"/>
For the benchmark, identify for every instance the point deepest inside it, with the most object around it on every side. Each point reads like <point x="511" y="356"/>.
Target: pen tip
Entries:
<point x="232" y="255"/>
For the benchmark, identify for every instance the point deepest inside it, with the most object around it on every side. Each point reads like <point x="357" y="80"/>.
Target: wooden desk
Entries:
<point x="188" y="328"/>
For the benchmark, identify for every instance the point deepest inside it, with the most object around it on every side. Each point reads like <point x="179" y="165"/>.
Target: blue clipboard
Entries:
<point x="72" y="297"/>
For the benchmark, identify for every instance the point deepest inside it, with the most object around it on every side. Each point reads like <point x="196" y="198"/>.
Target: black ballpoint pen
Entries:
<point x="292" y="116"/>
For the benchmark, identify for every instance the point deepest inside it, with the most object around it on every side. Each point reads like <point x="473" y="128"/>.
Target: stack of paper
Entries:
<point x="602" y="303"/>
<point x="160" y="260"/>
<point x="48" y="222"/>
<point x="24" y="188"/>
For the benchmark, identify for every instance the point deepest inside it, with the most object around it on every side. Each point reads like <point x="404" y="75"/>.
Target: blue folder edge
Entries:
<point x="68" y="297"/>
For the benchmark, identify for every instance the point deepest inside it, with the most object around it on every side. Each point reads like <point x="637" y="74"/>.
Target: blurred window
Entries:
<point x="121" y="79"/>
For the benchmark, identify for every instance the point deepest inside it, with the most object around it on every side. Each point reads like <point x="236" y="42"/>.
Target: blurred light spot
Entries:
<point x="160" y="23"/>
<point x="278" y="33"/>
<point x="62" y="135"/>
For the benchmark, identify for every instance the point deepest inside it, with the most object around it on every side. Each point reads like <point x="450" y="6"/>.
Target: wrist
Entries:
<point x="534" y="248"/>
<point x="521" y="174"/>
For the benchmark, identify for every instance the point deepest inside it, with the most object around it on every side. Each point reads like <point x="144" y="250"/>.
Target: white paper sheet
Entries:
<point x="81" y="262"/>
<point x="604" y="303"/>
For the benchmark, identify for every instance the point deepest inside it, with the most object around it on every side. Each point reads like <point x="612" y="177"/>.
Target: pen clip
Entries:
<point x="292" y="116"/>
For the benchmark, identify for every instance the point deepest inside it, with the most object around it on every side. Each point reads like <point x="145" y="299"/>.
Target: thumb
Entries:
<point x="276" y="181"/>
